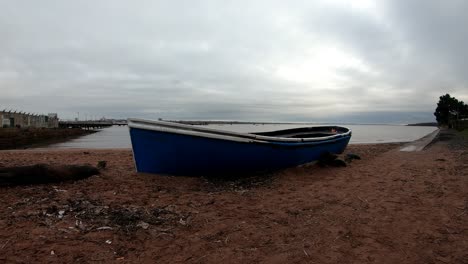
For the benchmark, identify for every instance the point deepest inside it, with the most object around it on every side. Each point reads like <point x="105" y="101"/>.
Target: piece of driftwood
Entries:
<point x="42" y="173"/>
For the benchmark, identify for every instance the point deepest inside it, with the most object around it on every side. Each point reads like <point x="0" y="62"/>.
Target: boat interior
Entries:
<point x="305" y="132"/>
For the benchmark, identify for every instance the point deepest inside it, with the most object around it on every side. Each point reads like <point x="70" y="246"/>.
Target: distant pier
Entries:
<point x="90" y="125"/>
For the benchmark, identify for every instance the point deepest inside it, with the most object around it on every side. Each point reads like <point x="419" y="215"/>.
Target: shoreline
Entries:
<point x="117" y="138"/>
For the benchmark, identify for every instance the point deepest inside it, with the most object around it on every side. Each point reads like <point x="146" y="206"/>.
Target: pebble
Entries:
<point x="61" y="213"/>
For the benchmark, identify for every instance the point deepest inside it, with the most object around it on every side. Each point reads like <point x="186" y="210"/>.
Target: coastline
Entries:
<point x="388" y="207"/>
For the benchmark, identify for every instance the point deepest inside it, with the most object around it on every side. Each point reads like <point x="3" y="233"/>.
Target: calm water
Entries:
<point x="118" y="136"/>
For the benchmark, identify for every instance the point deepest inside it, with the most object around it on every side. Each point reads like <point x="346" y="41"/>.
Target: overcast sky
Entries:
<point x="334" y="60"/>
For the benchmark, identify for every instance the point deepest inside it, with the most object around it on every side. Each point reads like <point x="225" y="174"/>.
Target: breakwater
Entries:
<point x="15" y="138"/>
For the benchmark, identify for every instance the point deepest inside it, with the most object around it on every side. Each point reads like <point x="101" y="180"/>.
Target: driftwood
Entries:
<point x="42" y="173"/>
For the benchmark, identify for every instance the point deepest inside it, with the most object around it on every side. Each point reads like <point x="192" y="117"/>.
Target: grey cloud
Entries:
<point x="413" y="45"/>
<point x="219" y="60"/>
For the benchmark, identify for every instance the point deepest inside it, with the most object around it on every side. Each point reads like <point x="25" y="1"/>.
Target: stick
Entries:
<point x="8" y="240"/>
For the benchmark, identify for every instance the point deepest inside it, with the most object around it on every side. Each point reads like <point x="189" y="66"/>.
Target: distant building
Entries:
<point x="53" y="120"/>
<point x="23" y="120"/>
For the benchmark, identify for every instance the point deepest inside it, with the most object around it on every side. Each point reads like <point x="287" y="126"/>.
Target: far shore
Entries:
<point x="227" y="122"/>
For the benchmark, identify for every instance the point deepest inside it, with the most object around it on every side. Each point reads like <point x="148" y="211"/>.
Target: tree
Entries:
<point x="449" y="108"/>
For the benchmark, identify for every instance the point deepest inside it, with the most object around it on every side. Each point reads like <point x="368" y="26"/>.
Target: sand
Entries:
<point x="389" y="207"/>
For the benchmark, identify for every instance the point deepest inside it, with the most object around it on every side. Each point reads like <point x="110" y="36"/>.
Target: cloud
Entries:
<point x="242" y="60"/>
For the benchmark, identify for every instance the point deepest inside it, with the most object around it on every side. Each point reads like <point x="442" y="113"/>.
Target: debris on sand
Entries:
<point x="90" y="215"/>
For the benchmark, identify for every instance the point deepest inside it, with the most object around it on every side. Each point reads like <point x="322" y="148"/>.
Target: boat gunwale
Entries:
<point x="171" y="127"/>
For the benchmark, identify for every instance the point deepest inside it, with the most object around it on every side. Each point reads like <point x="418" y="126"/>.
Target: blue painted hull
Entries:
<point x="180" y="154"/>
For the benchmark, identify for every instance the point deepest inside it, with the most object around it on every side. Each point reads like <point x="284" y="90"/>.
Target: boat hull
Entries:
<point x="179" y="154"/>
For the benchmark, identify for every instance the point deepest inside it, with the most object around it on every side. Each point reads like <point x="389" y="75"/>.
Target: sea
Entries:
<point x="118" y="136"/>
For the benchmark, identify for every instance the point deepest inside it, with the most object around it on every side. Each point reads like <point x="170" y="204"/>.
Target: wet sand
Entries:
<point x="389" y="207"/>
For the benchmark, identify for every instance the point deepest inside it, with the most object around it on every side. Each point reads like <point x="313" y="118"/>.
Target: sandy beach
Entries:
<point x="389" y="207"/>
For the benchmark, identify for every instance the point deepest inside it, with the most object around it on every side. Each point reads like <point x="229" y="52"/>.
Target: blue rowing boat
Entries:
<point x="177" y="149"/>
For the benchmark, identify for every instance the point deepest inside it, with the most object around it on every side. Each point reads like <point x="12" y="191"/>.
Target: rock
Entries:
<point x="143" y="225"/>
<point x="61" y="213"/>
<point x="182" y="222"/>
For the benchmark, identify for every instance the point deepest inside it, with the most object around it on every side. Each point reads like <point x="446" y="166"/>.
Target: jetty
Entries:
<point x="91" y="124"/>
